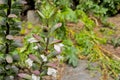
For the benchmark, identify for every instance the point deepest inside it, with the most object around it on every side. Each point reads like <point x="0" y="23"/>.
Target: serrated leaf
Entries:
<point x="72" y="56"/>
<point x="9" y="59"/>
<point x="73" y="60"/>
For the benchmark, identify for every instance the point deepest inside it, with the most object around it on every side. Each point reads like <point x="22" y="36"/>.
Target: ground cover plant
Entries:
<point x="47" y="46"/>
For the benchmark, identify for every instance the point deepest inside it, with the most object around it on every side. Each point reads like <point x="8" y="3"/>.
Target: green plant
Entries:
<point x="87" y="40"/>
<point x="115" y="42"/>
<point x="9" y="28"/>
<point x="63" y="3"/>
<point x="106" y="62"/>
<point x="89" y="24"/>
<point x="100" y="7"/>
<point x="113" y="6"/>
<point x="89" y="6"/>
<point x="47" y="46"/>
<point x="107" y="32"/>
<point x="70" y="52"/>
<point x="8" y="69"/>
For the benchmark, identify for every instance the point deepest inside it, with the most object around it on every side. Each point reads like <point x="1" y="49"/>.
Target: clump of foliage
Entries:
<point x="109" y="66"/>
<point x="70" y="52"/>
<point x="89" y="45"/>
<point x="47" y="46"/>
<point x="9" y="28"/>
<point x="100" y="8"/>
<point x="115" y="42"/>
<point x="113" y="6"/>
<point x="89" y="6"/>
<point x="44" y="49"/>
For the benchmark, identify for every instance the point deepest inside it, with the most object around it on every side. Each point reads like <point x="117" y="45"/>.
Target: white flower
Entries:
<point x="59" y="57"/>
<point x="44" y="58"/>
<point x="58" y="47"/>
<point x="52" y="72"/>
<point x="45" y="39"/>
<point x="36" y="47"/>
<point x="34" y="77"/>
<point x="32" y="40"/>
<point x="29" y="62"/>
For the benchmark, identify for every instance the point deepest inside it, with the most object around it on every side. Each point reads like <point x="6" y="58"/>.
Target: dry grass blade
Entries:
<point x="109" y="54"/>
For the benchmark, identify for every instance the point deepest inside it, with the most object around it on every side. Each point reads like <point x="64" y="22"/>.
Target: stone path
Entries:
<point x="81" y="72"/>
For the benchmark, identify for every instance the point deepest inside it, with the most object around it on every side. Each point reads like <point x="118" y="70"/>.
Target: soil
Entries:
<point x="116" y="21"/>
<point x="82" y="72"/>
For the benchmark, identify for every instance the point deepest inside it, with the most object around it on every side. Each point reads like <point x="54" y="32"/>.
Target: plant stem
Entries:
<point x="8" y="26"/>
<point x="9" y="9"/>
<point x="47" y="43"/>
<point x="41" y="66"/>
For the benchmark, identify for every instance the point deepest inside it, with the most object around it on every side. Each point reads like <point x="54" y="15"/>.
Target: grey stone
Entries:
<point x="81" y="72"/>
<point x="32" y="17"/>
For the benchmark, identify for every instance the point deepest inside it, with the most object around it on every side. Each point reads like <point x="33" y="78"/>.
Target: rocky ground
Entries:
<point x="82" y="72"/>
